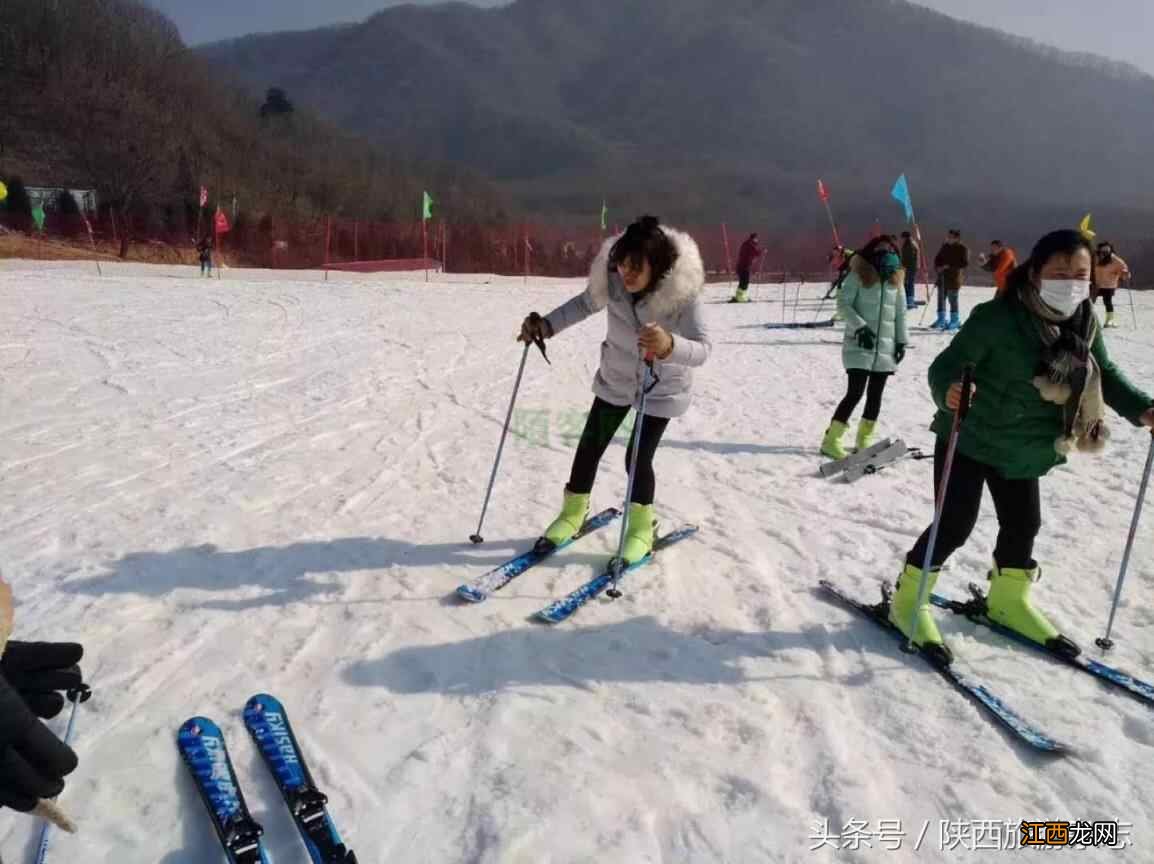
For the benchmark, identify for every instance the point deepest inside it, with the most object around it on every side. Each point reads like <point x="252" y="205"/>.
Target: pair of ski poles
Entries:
<point x="1104" y="642"/>
<point x="649" y="382"/>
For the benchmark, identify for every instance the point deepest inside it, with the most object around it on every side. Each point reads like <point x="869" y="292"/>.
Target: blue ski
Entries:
<point x="267" y="722"/>
<point x="202" y="747"/>
<point x="996" y="708"/>
<point x="1137" y="688"/>
<point x="479" y="590"/>
<point x="560" y="610"/>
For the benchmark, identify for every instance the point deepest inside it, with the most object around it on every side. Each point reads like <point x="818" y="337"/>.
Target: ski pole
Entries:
<point x="1106" y="643"/>
<point x="1130" y="291"/>
<point x="930" y="289"/>
<point x="48" y="809"/>
<point x="947" y="467"/>
<point x="618" y="565"/>
<point x="540" y="343"/>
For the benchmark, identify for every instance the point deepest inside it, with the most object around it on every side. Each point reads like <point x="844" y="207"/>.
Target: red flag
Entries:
<point x="821" y="191"/>
<point x="221" y="224"/>
<point x="203" y="195"/>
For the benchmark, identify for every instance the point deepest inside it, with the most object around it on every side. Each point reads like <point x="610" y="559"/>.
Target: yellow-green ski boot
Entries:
<point x="902" y="605"/>
<point x="574" y="512"/>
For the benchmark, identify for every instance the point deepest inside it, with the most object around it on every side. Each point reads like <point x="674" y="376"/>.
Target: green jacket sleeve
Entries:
<point x="846" y="300"/>
<point x="1119" y="393"/>
<point x="969" y="346"/>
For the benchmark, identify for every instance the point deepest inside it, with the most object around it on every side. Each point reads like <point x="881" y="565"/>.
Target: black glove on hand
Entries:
<point x="33" y="761"/>
<point x="41" y="670"/>
<point x="899" y="352"/>
<point x="865" y="338"/>
<point x="534" y="329"/>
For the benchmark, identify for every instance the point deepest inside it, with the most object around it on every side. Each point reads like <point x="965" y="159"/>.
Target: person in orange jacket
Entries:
<point x="1001" y="262"/>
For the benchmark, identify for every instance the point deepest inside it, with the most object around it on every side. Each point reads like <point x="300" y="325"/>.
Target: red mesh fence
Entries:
<point x="535" y="249"/>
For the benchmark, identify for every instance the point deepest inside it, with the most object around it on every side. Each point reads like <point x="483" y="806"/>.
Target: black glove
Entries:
<point x="865" y="338"/>
<point x="899" y="352"/>
<point x="535" y="329"/>
<point x="33" y="761"/>
<point x="39" y="671"/>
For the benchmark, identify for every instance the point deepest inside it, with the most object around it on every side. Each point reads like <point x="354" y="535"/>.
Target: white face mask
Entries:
<point x="1065" y="295"/>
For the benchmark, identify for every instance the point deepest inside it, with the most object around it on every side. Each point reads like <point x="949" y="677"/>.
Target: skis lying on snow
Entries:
<point x="267" y="722"/>
<point x="560" y="610"/>
<point x="831" y="469"/>
<point x="802" y="325"/>
<point x="995" y="707"/>
<point x="202" y="746"/>
<point x="894" y="453"/>
<point x="479" y="590"/>
<point x="975" y="610"/>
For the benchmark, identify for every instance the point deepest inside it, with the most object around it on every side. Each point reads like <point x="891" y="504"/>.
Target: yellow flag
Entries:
<point x="3" y="192"/>
<point x="1084" y="226"/>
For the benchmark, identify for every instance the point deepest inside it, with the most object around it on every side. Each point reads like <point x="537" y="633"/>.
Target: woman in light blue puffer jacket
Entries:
<point x="649" y="280"/>
<point x="872" y="304"/>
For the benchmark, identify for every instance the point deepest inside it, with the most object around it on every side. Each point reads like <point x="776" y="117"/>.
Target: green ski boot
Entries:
<point x="865" y="433"/>
<point x="639" y="533"/>
<point x="1008" y="604"/>
<point x="902" y="604"/>
<point x="574" y="511"/>
<point x="831" y="443"/>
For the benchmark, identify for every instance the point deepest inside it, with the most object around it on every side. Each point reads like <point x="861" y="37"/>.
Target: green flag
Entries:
<point x="427" y="207"/>
<point x="604" y="214"/>
<point x="38" y="216"/>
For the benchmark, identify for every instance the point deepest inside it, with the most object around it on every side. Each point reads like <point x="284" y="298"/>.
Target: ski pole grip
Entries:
<point x="967" y="391"/>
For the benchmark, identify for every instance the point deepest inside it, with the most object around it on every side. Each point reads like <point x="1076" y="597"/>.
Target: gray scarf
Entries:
<point x="1068" y="374"/>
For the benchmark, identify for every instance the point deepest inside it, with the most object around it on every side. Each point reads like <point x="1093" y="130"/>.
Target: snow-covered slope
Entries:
<point x="267" y="483"/>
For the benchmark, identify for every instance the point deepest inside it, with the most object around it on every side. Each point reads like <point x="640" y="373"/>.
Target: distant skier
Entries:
<point x="872" y="303"/>
<point x="911" y="262"/>
<point x="1001" y="262"/>
<point x="1043" y="380"/>
<point x="649" y="280"/>
<point x="204" y="250"/>
<point x="951" y="263"/>
<point x="1109" y="274"/>
<point x="747" y="256"/>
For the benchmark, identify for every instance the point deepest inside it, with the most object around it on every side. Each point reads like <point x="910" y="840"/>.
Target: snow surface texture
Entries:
<point x="266" y="483"/>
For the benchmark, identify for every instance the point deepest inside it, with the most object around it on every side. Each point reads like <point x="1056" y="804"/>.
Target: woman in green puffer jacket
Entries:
<point x="1042" y="381"/>
<point x="872" y="303"/>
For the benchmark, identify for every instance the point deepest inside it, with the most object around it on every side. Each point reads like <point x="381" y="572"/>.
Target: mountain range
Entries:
<point x="701" y="110"/>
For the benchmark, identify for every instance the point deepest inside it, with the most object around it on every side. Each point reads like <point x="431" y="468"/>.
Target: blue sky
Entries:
<point x="1120" y="29"/>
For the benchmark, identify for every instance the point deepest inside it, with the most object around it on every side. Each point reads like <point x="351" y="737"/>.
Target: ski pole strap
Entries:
<point x="967" y="391"/>
<point x="654" y="380"/>
<point x="538" y="340"/>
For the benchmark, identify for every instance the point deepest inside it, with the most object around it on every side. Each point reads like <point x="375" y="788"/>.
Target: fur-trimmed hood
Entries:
<point x="681" y="286"/>
<point x="870" y="277"/>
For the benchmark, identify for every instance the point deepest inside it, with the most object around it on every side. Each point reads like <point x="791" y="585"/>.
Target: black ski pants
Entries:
<point x="600" y="427"/>
<point x="1017" y="502"/>
<point x="859" y="382"/>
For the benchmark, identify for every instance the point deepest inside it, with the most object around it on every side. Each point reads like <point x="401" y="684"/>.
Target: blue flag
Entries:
<point x="901" y="194"/>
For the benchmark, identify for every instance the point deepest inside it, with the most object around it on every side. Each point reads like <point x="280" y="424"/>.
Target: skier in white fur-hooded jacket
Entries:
<point x="649" y="279"/>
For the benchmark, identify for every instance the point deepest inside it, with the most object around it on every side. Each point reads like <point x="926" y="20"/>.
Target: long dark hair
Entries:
<point x="1066" y="241"/>
<point x="645" y="241"/>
